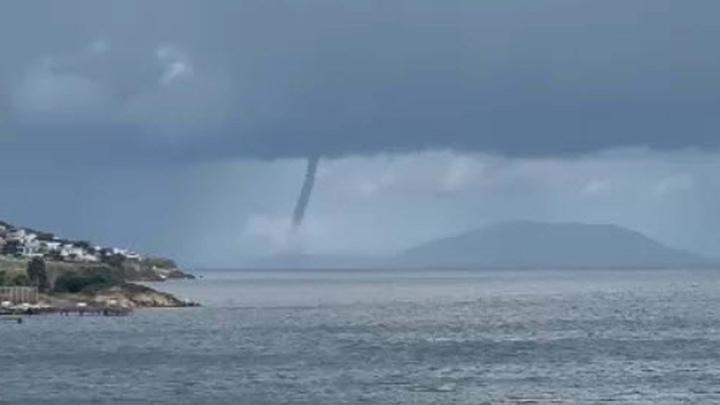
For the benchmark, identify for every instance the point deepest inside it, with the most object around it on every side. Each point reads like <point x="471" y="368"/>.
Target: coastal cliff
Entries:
<point x="126" y="295"/>
<point x="68" y="272"/>
<point x="63" y="284"/>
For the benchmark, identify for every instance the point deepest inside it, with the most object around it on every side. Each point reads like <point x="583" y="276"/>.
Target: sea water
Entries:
<point x="385" y="337"/>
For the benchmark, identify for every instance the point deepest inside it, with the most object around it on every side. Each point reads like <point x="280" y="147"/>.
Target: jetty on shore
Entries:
<point x="93" y="311"/>
<point x="30" y="310"/>
<point x="24" y="301"/>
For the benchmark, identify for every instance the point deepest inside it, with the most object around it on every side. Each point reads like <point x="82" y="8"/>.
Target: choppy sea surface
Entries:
<point x="371" y="337"/>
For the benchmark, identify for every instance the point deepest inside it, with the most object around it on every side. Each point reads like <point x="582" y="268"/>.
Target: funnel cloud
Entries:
<point x="305" y="192"/>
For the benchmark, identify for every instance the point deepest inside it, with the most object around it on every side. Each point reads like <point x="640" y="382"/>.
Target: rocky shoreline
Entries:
<point x="63" y="285"/>
<point x="43" y="271"/>
<point x="128" y="295"/>
<point x="59" y="272"/>
<point x="114" y="300"/>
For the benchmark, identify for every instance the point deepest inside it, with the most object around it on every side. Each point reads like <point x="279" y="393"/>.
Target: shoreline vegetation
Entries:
<point x="67" y="285"/>
<point x="63" y="274"/>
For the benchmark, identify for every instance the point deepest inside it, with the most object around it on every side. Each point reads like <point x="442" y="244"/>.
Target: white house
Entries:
<point x="51" y="246"/>
<point x="31" y="248"/>
<point x="72" y="252"/>
<point x="21" y="236"/>
<point x="126" y="253"/>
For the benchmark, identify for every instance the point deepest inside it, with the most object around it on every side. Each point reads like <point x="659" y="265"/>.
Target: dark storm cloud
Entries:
<point x="184" y="80"/>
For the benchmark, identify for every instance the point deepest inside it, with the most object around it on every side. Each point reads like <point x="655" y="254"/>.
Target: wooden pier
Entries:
<point x="93" y="311"/>
<point x="66" y="311"/>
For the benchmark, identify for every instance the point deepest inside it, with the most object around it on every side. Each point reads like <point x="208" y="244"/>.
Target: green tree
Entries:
<point x="75" y="283"/>
<point x="37" y="274"/>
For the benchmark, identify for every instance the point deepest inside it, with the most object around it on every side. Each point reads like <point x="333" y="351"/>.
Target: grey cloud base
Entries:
<point x="181" y="80"/>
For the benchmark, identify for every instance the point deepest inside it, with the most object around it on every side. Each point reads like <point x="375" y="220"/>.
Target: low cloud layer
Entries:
<point x="181" y="80"/>
<point x="196" y="118"/>
<point x="225" y="213"/>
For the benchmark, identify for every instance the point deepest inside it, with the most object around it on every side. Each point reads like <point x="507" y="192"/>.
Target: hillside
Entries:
<point x="525" y="244"/>
<point x="66" y="270"/>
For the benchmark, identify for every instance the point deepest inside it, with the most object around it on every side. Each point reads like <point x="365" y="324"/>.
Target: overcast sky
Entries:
<point x="180" y="128"/>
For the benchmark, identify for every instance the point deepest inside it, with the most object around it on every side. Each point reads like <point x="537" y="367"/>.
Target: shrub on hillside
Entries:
<point x="74" y="283"/>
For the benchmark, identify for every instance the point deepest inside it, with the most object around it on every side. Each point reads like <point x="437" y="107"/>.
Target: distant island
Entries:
<point x="67" y="272"/>
<point x="516" y="245"/>
<point x="545" y="245"/>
